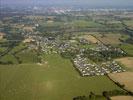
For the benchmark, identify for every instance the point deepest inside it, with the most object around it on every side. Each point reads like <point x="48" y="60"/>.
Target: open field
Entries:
<point x="85" y="24"/>
<point x="91" y="39"/>
<point x="111" y="38"/>
<point x="128" y="48"/>
<point x="122" y="98"/>
<point x="8" y="58"/>
<point x="125" y="78"/>
<point x="127" y="62"/>
<point x="55" y="80"/>
<point x="129" y="23"/>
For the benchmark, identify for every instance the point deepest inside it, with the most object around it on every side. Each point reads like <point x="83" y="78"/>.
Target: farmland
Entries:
<point x="128" y="48"/>
<point x="122" y="98"/>
<point x="34" y="82"/>
<point x="129" y="23"/>
<point x="126" y="77"/>
<point x="111" y="38"/>
<point x="65" y="55"/>
<point x="127" y="62"/>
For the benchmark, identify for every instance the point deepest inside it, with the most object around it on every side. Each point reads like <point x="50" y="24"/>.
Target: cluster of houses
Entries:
<point x="87" y="68"/>
<point x="102" y="47"/>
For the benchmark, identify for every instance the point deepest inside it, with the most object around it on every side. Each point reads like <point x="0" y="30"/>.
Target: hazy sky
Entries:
<point x="71" y="2"/>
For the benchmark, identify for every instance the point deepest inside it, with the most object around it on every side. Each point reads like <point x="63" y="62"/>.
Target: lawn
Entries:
<point x="57" y="79"/>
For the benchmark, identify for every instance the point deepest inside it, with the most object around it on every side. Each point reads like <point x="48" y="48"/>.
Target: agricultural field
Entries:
<point x="85" y="24"/>
<point x="61" y="54"/>
<point x="8" y="58"/>
<point x="91" y="39"/>
<point x="111" y="38"/>
<point x="127" y="62"/>
<point x="129" y="23"/>
<point x="128" y="48"/>
<point x="125" y="78"/>
<point x="56" y="79"/>
<point x="122" y="98"/>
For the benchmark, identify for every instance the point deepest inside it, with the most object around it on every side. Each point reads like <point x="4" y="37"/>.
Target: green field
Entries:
<point x="85" y="24"/>
<point x="57" y="79"/>
<point x="128" y="48"/>
<point x="111" y="38"/>
<point x="129" y="23"/>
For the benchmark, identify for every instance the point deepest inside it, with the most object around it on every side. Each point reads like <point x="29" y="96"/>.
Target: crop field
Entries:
<point x="91" y="39"/>
<point x="122" y="98"/>
<point x="127" y="62"/>
<point x="111" y="38"/>
<point x="125" y="78"/>
<point x="57" y="79"/>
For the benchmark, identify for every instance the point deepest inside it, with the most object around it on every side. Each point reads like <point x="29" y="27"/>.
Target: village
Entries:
<point x="55" y="53"/>
<point x="90" y="65"/>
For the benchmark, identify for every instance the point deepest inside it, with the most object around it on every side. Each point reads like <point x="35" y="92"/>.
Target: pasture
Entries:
<point x="55" y="80"/>
<point x="128" y="48"/>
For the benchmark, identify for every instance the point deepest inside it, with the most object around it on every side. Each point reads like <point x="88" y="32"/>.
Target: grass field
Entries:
<point x="111" y="38"/>
<point x="129" y="23"/>
<point x="85" y="24"/>
<point x="28" y="56"/>
<point x="56" y="80"/>
<point x="8" y="57"/>
<point x="128" y="48"/>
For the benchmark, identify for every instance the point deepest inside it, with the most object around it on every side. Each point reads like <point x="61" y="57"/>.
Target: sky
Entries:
<point x="103" y="3"/>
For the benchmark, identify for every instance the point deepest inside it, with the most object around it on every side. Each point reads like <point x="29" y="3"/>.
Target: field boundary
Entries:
<point x="128" y="91"/>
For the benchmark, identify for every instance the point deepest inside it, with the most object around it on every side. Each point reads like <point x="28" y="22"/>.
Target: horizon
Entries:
<point x="89" y="3"/>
